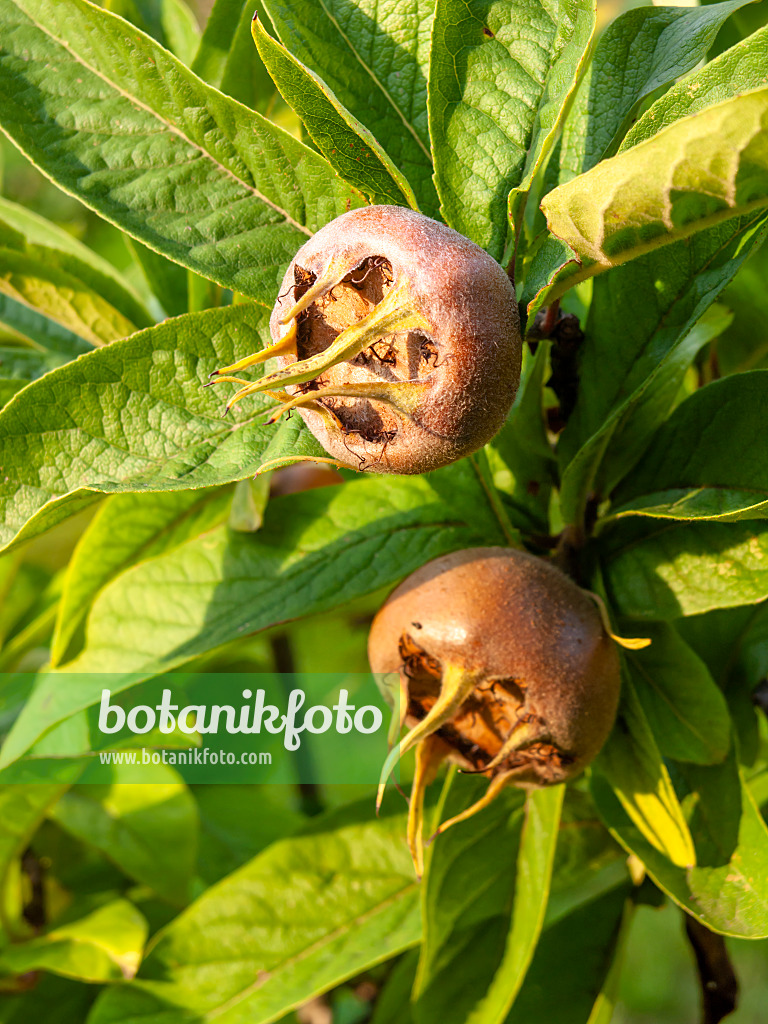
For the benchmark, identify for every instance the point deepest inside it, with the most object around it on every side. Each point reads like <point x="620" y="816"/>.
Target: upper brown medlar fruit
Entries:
<point x="505" y="668"/>
<point x="398" y="341"/>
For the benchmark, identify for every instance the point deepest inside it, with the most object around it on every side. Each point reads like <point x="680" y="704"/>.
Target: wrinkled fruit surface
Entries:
<point x="398" y="342"/>
<point x="504" y="668"/>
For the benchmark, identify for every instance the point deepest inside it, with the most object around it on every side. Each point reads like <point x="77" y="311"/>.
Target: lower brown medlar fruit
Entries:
<point x="398" y="341"/>
<point x="504" y="667"/>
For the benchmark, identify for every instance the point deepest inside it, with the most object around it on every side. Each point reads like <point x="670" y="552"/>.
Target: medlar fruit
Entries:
<point x="398" y="340"/>
<point x="504" y="668"/>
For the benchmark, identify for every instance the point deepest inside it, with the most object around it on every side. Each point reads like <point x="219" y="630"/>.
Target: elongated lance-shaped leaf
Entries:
<point x="346" y="144"/>
<point x="130" y="823"/>
<point x="34" y="280"/>
<point x="573" y="52"/>
<point x="621" y="439"/>
<point x="129" y="528"/>
<point x="631" y="762"/>
<point x="119" y="123"/>
<point x="694" y="174"/>
<point x="640" y="52"/>
<point x="737" y="70"/>
<point x="359" y="907"/>
<point x="19" y="366"/>
<point x="499" y="76"/>
<point x="61" y="249"/>
<point x="467" y="899"/>
<point x="224" y="585"/>
<point x="534" y="874"/>
<point x="228" y="59"/>
<point x="667" y="570"/>
<point x="29" y="328"/>
<point x="170" y="22"/>
<point x="709" y="459"/>
<point x="685" y="708"/>
<point x="728" y="889"/>
<point x="647" y="321"/>
<point x="374" y="57"/>
<point x="131" y="416"/>
<point x="218" y="38"/>
<point x="105" y="945"/>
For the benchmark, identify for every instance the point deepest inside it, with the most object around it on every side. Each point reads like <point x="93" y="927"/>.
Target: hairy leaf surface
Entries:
<point x="118" y="122"/>
<point x="374" y="58"/>
<point x="500" y="74"/>
<point x="252" y="948"/>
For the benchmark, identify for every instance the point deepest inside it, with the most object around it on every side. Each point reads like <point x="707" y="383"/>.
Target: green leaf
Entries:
<point x="316" y="550"/>
<point x="54" y="513"/>
<point x="733" y="642"/>
<point x="686" y="711"/>
<point x="632" y="764"/>
<point x="744" y="345"/>
<point x="133" y="416"/>
<point x="483" y="916"/>
<point x="54" y="1000"/>
<point x="578" y="952"/>
<point x="170" y="22"/>
<point x="19" y="366"/>
<point x="469" y="891"/>
<point x="34" y="280"/>
<point x="520" y="456"/>
<point x="211" y="185"/>
<point x="346" y="144"/>
<point x="728" y="889"/>
<point x="130" y="528"/>
<point x="292" y="442"/>
<point x="373" y="58"/>
<point x="252" y="948"/>
<point x="672" y="570"/>
<point x="641" y="337"/>
<point x="534" y="872"/>
<point x="500" y="76"/>
<point x="22" y="809"/>
<point x="148" y="830"/>
<point x="54" y="244"/>
<point x="709" y="456"/>
<point x="218" y="38"/>
<point x="228" y="60"/>
<point x="33" y="329"/>
<point x="237" y="822"/>
<point x="106" y="945"/>
<point x="588" y="861"/>
<point x="696" y="173"/>
<point x="552" y="262"/>
<point x="738" y="70"/>
<point x="612" y="451"/>
<point x="166" y="280"/>
<point x="642" y="51"/>
<point x="393" y="1002"/>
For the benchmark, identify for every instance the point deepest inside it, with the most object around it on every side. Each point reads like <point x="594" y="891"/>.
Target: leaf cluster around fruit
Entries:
<point x="618" y="174"/>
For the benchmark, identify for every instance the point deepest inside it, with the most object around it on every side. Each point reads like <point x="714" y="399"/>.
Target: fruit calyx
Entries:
<point x="397" y="341"/>
<point x="503" y="667"/>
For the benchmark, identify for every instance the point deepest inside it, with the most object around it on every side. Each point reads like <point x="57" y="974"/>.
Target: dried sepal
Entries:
<point x="505" y="662"/>
<point x="404" y="330"/>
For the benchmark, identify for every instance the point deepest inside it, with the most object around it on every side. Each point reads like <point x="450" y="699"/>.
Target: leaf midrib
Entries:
<point x="326" y="940"/>
<point x="168" y="125"/>
<point x="376" y="80"/>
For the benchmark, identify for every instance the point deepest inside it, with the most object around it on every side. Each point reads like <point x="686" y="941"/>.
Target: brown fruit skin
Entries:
<point x="470" y="303"/>
<point x="514" y="617"/>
